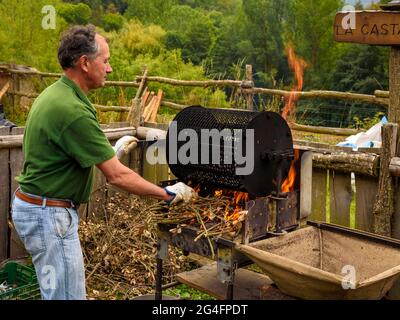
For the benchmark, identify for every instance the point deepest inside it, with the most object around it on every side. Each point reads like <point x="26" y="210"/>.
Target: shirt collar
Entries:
<point x="76" y="88"/>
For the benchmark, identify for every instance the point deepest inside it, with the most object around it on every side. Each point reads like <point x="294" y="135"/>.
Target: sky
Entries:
<point x="364" y="2"/>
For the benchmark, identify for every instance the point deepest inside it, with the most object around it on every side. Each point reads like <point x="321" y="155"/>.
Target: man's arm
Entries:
<point x="126" y="179"/>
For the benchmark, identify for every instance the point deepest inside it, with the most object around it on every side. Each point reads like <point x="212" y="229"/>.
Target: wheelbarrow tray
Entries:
<point x="319" y="261"/>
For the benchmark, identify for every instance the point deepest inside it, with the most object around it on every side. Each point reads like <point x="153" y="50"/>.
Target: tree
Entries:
<point x="75" y="13"/>
<point x="264" y="28"/>
<point x="189" y="30"/>
<point x="139" y="39"/>
<point x="112" y="21"/>
<point x="149" y="11"/>
<point x="310" y="29"/>
<point x="23" y="40"/>
<point x="225" y="6"/>
<point x="230" y="45"/>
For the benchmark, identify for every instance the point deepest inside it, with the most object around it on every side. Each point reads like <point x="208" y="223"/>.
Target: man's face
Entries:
<point x="99" y="67"/>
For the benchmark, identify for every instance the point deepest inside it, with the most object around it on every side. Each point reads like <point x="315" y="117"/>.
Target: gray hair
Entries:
<point x="76" y="42"/>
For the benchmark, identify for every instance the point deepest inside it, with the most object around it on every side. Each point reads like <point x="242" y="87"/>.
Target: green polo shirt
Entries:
<point x="62" y="143"/>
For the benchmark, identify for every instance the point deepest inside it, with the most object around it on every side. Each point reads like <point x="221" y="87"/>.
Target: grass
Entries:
<point x="184" y="292"/>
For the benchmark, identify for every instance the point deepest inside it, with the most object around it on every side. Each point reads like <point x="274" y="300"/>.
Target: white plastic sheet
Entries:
<point x="370" y="139"/>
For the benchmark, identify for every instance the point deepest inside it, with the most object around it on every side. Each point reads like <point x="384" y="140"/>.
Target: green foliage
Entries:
<point x="75" y="13"/>
<point x="310" y="30"/>
<point x="186" y="293"/>
<point x="224" y="6"/>
<point x="189" y="30"/>
<point x="137" y="46"/>
<point x="367" y="123"/>
<point x="22" y="38"/>
<point x="230" y="46"/>
<point x="200" y="39"/>
<point x="149" y="11"/>
<point x="139" y="39"/>
<point x="112" y="22"/>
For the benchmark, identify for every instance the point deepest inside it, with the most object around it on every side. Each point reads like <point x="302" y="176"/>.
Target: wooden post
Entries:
<point x="17" y="248"/>
<point x="385" y="200"/>
<point x="394" y="116"/>
<point x="134" y="116"/>
<point x="4" y="197"/>
<point x="364" y="33"/>
<point x="249" y="94"/>
<point x="394" y="85"/>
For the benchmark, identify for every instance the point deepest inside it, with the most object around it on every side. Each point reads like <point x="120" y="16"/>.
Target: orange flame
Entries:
<point x="197" y="189"/>
<point x="233" y="210"/>
<point x="297" y="65"/>
<point x="288" y="184"/>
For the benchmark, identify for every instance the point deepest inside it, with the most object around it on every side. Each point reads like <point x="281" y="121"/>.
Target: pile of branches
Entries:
<point x="120" y="251"/>
<point x="213" y="217"/>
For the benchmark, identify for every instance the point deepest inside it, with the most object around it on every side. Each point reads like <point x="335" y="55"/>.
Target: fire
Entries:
<point x="288" y="184"/>
<point x="197" y="189"/>
<point x="234" y="210"/>
<point x="297" y="65"/>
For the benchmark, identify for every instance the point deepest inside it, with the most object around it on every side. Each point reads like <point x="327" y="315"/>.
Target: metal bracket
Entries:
<point x="225" y="266"/>
<point x="162" y="249"/>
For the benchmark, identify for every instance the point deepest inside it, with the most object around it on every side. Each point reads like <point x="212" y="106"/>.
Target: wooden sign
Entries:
<point x="368" y="27"/>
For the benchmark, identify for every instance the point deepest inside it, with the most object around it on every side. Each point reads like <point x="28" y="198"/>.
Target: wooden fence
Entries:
<point x="22" y="92"/>
<point x="344" y="191"/>
<point x="11" y="162"/>
<point x="346" y="188"/>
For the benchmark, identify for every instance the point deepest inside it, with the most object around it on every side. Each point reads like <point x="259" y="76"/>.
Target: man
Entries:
<point x="62" y="144"/>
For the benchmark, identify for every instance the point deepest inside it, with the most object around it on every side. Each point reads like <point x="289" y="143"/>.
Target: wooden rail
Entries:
<point x="380" y="98"/>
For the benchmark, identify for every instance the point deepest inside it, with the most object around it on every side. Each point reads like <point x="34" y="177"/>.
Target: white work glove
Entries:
<point x="124" y="146"/>
<point x="181" y="192"/>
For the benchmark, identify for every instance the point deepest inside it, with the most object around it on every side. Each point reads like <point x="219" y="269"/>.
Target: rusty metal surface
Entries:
<point x="185" y="240"/>
<point x="256" y="222"/>
<point x="289" y="212"/>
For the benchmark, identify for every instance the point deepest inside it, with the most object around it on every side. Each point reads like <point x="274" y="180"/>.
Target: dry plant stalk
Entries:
<point x="212" y="216"/>
<point x="120" y="251"/>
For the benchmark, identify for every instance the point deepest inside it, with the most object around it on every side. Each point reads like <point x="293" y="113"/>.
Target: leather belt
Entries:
<point x="39" y="201"/>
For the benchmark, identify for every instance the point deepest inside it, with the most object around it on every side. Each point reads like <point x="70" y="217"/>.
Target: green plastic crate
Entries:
<point x="24" y="281"/>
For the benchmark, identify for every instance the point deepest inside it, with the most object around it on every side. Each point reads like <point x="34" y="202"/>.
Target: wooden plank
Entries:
<point x="340" y="198"/>
<point x="135" y="160"/>
<point x="200" y="260"/>
<point x="149" y="170"/>
<point x="248" y="285"/>
<point x="4" y="196"/>
<point x="306" y="185"/>
<point x="162" y="169"/>
<point x="319" y="186"/>
<point x="115" y="125"/>
<point x="98" y="196"/>
<point x="17" y="248"/>
<point x="162" y="173"/>
<point x="366" y="191"/>
<point x="17" y="159"/>
<point x="153" y="115"/>
<point x="371" y="27"/>
<point x="100" y="190"/>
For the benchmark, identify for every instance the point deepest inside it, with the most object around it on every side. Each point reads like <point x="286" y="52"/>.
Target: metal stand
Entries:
<point x="158" y="295"/>
<point x="162" y="254"/>
<point x="229" y="292"/>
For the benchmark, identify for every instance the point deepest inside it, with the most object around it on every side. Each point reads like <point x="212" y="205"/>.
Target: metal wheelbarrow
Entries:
<point x="328" y="262"/>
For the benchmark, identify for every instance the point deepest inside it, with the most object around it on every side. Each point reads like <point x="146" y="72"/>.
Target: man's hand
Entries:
<point x="181" y="192"/>
<point x="124" y="146"/>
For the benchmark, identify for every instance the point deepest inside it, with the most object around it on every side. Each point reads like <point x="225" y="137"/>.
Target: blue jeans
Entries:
<point x="50" y="235"/>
